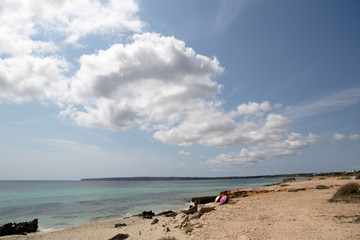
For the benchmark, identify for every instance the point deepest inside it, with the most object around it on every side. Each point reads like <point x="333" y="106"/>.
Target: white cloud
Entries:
<point x="94" y="17"/>
<point x="182" y="152"/>
<point x="253" y="108"/>
<point x="29" y="78"/>
<point x="293" y="144"/>
<point x="210" y="126"/>
<point x="152" y="79"/>
<point x="338" y="136"/>
<point x="354" y="137"/>
<point x="70" y="20"/>
<point x="31" y="35"/>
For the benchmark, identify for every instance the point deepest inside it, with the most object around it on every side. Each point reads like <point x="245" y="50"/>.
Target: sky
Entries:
<point x="121" y="88"/>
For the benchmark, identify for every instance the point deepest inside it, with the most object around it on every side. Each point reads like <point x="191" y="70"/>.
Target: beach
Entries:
<point x="290" y="210"/>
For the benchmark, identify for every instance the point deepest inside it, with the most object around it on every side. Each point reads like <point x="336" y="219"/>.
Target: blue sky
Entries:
<point x="178" y="88"/>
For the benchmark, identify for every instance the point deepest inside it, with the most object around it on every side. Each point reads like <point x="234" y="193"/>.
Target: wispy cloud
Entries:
<point x="182" y="152"/>
<point x="69" y="144"/>
<point x="227" y="13"/>
<point x="329" y="103"/>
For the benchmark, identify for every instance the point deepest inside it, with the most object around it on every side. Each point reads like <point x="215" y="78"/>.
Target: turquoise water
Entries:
<point x="62" y="204"/>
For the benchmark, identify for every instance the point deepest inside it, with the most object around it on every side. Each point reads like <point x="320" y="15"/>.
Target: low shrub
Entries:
<point x="349" y="193"/>
<point x="344" y="178"/>
<point x="167" y="238"/>
<point x="357" y="176"/>
<point x="321" y="187"/>
<point x="284" y="185"/>
<point x="348" y="189"/>
<point x="188" y="230"/>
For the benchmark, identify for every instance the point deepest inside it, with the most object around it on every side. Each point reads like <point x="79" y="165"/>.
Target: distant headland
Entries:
<point x="194" y="178"/>
<point x="147" y="178"/>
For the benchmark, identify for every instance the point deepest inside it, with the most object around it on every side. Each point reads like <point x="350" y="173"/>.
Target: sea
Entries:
<point x="63" y="204"/>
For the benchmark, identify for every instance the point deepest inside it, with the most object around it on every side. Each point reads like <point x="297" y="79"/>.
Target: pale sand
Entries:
<point x="276" y="215"/>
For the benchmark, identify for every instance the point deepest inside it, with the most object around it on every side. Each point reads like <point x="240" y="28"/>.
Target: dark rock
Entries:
<point x="7" y="229"/>
<point x="19" y="228"/>
<point x="191" y="210"/>
<point x="167" y="214"/>
<point x="117" y="225"/>
<point x="155" y="221"/>
<point x="147" y="214"/>
<point x="120" y="236"/>
<point x="203" y="200"/>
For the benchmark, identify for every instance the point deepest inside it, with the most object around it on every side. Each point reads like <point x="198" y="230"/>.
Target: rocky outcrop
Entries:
<point x="19" y="228"/>
<point x="251" y="192"/>
<point x="244" y="193"/>
<point x="167" y="214"/>
<point x="180" y="221"/>
<point x="191" y="210"/>
<point x="204" y="210"/>
<point x="147" y="214"/>
<point x="203" y="200"/>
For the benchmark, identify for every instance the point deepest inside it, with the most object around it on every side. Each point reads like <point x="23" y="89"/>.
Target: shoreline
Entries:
<point x="267" y="212"/>
<point x="68" y="204"/>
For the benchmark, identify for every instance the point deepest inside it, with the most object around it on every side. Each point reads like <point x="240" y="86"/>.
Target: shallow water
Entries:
<point x="62" y="204"/>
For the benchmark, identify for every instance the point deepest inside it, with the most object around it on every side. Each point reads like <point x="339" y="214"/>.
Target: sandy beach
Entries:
<point x="291" y="210"/>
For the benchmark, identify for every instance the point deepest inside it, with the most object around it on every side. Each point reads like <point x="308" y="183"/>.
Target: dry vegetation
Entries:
<point x="348" y="193"/>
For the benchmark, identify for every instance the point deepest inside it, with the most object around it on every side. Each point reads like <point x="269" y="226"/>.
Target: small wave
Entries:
<point x="107" y="217"/>
<point x="45" y="230"/>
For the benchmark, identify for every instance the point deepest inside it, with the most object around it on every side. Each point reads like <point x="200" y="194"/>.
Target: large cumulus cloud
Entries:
<point x="33" y="33"/>
<point x="153" y="79"/>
